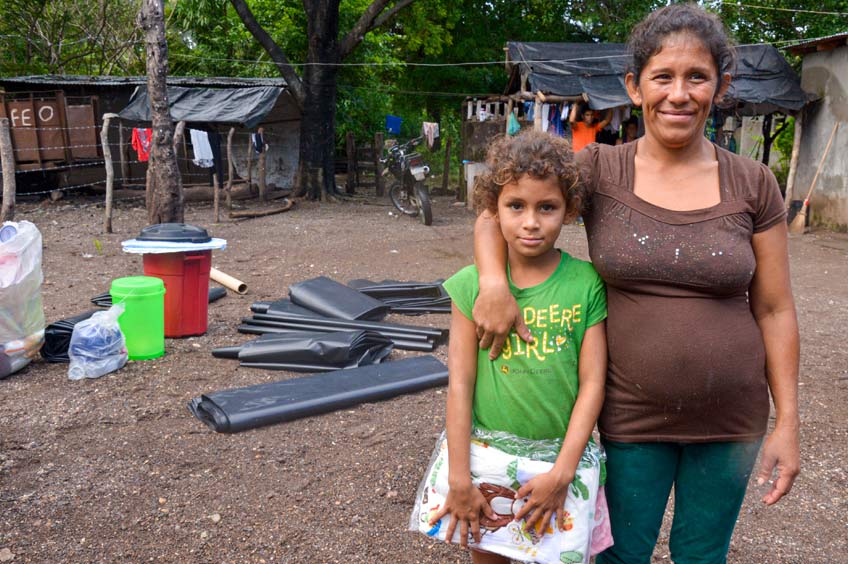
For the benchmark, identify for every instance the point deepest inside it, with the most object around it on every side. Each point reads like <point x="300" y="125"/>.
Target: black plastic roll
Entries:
<point x="240" y="409"/>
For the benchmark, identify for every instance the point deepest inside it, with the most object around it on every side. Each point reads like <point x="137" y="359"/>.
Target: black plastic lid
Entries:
<point x="174" y="233"/>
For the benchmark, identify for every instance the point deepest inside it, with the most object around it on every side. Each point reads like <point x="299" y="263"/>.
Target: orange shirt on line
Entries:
<point x="582" y="134"/>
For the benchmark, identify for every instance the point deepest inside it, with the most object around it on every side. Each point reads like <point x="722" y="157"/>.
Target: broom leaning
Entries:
<point x="798" y="224"/>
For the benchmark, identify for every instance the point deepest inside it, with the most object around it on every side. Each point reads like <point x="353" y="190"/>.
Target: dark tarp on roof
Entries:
<point x="763" y="82"/>
<point x="233" y="106"/>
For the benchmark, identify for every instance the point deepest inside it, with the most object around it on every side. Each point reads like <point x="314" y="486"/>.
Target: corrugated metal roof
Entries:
<point x="813" y="44"/>
<point x="82" y="80"/>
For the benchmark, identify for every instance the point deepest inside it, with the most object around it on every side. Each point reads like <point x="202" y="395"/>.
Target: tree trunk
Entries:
<point x="316" y="178"/>
<point x="165" y="200"/>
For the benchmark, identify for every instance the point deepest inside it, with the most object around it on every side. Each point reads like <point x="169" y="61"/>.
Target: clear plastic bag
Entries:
<point x="500" y="464"/>
<point x="97" y="345"/>
<point x="21" y="314"/>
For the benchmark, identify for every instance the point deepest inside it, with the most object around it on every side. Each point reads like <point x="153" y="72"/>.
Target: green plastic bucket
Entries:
<point x="143" y="320"/>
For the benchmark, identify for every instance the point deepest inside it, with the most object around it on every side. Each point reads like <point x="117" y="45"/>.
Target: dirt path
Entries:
<point x="117" y="470"/>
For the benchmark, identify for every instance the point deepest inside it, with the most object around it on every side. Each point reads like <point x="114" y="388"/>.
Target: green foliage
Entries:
<point x="784" y="143"/>
<point x="69" y="37"/>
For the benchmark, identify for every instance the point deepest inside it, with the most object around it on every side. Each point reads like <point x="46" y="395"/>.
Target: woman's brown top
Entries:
<point x="686" y="357"/>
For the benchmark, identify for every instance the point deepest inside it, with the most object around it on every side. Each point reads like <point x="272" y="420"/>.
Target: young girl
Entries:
<point x="519" y="477"/>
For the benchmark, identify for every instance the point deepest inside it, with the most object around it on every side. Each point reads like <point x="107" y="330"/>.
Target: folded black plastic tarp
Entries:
<point x="240" y="409"/>
<point x="330" y="298"/>
<point x="409" y="298"/>
<point x="57" y="337"/>
<point x="310" y="351"/>
<point x="105" y="299"/>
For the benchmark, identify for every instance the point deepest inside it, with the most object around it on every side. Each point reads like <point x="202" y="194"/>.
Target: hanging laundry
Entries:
<point x="430" y="130"/>
<point x="529" y="110"/>
<point x="556" y="121"/>
<point x="563" y="115"/>
<point x="513" y="127"/>
<point x="217" y="157"/>
<point x="202" y="151"/>
<point x="258" y="143"/>
<point x="617" y="119"/>
<point x="141" y="142"/>
<point x="546" y="115"/>
<point x="393" y="124"/>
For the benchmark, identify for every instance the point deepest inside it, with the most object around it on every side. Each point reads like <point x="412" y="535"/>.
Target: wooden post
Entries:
<point x="263" y="196"/>
<point x="249" y="162"/>
<point x="379" y="184"/>
<point x="230" y="168"/>
<point x="122" y="153"/>
<point x="508" y="113"/>
<point x="216" y="196"/>
<point x="7" y="155"/>
<point x="179" y="139"/>
<point x="110" y="170"/>
<point x="793" y="160"/>
<point x="446" y="168"/>
<point x="350" y="142"/>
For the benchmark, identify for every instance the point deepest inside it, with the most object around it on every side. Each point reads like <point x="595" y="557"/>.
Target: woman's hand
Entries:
<point x="495" y="313"/>
<point x="547" y="499"/>
<point x="465" y="503"/>
<point x="781" y="452"/>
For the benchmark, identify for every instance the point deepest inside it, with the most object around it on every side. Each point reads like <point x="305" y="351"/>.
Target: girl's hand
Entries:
<point x="465" y="504"/>
<point x="547" y="499"/>
<point x="495" y="313"/>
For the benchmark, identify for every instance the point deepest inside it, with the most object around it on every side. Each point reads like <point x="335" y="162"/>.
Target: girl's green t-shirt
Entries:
<point x="530" y="389"/>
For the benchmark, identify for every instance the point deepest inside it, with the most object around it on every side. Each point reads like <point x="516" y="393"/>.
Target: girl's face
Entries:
<point x="530" y="213"/>
<point x="676" y="90"/>
<point x="589" y="117"/>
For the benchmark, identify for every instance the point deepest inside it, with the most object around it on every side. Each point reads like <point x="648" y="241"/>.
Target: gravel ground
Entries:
<point x="117" y="470"/>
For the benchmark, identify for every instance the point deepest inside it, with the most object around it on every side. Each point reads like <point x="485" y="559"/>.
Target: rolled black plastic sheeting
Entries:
<point x="310" y="351"/>
<point x="57" y="337"/>
<point x="354" y="324"/>
<point x="240" y="409"/>
<point x="249" y="329"/>
<point x="283" y="307"/>
<point x="333" y="299"/>
<point x="105" y="299"/>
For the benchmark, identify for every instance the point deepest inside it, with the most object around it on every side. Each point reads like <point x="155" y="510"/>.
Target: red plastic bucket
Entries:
<point x="186" y="277"/>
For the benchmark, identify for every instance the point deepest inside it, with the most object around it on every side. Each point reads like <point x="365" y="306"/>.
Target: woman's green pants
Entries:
<point x="709" y="482"/>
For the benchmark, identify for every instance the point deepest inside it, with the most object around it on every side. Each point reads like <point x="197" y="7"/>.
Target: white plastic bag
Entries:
<point x="97" y="345"/>
<point x="21" y="313"/>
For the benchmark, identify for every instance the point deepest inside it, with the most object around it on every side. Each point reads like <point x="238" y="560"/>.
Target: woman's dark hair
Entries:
<point x="647" y="37"/>
<point x="535" y="153"/>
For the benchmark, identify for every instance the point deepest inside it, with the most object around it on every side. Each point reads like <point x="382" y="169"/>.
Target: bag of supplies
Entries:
<point x="499" y="475"/>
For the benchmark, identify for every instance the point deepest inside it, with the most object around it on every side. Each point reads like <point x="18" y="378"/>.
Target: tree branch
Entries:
<point x="371" y="18"/>
<point x="389" y="14"/>
<point x="279" y="58"/>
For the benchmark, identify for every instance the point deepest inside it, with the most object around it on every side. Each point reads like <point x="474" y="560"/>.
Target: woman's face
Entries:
<point x="676" y="90"/>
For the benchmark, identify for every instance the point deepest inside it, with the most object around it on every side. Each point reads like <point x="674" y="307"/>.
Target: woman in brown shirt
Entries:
<point x="692" y="243"/>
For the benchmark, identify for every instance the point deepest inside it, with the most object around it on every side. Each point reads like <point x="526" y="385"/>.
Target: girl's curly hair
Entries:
<point x="535" y="153"/>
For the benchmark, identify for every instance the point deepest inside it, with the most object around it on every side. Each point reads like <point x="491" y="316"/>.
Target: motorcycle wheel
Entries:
<point x="403" y="200"/>
<point x="423" y="196"/>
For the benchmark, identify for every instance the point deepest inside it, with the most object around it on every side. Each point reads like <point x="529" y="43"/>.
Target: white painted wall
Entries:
<point x="826" y="74"/>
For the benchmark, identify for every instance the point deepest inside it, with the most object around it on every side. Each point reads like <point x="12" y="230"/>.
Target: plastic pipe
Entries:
<point x="228" y="281"/>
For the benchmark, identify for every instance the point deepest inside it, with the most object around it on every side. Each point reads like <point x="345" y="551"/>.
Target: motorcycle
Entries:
<point x="408" y="192"/>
